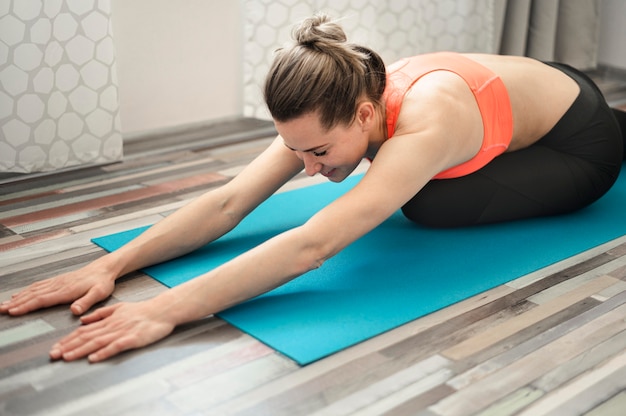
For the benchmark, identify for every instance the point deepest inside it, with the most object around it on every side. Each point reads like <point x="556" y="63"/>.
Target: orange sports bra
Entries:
<point x="491" y="96"/>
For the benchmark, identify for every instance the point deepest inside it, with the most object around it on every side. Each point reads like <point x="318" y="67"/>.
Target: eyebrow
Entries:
<point x="307" y="150"/>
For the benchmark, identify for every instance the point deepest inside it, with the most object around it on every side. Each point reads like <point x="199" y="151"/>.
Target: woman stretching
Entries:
<point x="453" y="139"/>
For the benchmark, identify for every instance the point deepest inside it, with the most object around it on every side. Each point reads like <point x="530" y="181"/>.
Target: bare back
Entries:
<point x="539" y="93"/>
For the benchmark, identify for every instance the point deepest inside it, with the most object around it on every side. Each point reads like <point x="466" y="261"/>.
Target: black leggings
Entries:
<point x="569" y="168"/>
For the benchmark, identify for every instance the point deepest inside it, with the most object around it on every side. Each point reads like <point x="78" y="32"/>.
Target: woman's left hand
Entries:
<point x="113" y="329"/>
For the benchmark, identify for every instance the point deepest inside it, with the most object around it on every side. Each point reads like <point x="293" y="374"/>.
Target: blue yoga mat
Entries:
<point x="395" y="274"/>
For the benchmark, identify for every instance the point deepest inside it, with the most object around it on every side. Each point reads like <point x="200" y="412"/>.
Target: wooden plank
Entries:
<point x="10" y="239"/>
<point x="585" y="392"/>
<point x="619" y="272"/>
<point x="613" y="407"/>
<point x="417" y="378"/>
<point x="5" y="232"/>
<point x="221" y="387"/>
<point x="610" y="291"/>
<point x="510" y="355"/>
<point x="59" y="259"/>
<point x="11" y="199"/>
<point x="163" y="172"/>
<point x="493" y="335"/>
<point x="15" y="280"/>
<point x="196" y="339"/>
<point x="572" y="266"/>
<point x="42" y="183"/>
<point x="416" y="404"/>
<point x="513" y="403"/>
<point x="521" y="343"/>
<point x="28" y="242"/>
<point x="618" y="251"/>
<point x="156" y="407"/>
<point x="53" y="203"/>
<point x="28" y="354"/>
<point x="106" y="201"/>
<point x="554" y="379"/>
<point x="81" y="385"/>
<point x="65" y="241"/>
<point x="235" y="356"/>
<point x="111" y="399"/>
<point x="55" y="222"/>
<point x="504" y="381"/>
<point x="457" y="326"/>
<point x="418" y="395"/>
<point x="24" y="331"/>
<point x="556" y="290"/>
<point x="331" y="386"/>
<point x="135" y="214"/>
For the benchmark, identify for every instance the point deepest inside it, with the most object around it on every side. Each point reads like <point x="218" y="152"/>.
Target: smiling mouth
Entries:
<point x="329" y="173"/>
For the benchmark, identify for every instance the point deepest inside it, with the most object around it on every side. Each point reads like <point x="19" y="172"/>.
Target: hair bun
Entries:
<point x="318" y="28"/>
<point x="320" y="71"/>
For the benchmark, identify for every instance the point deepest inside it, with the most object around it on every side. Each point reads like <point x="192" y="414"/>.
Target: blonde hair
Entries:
<point x="322" y="72"/>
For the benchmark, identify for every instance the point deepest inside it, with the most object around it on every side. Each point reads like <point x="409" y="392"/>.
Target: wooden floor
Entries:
<point x="553" y="342"/>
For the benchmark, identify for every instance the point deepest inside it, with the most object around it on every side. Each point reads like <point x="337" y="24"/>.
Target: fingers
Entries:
<point x="93" y="296"/>
<point x="99" y="314"/>
<point x="23" y="306"/>
<point x="114" y="348"/>
<point x="95" y="344"/>
<point x="93" y="336"/>
<point x="15" y="305"/>
<point x="85" y="290"/>
<point x="111" y="330"/>
<point x="36" y="296"/>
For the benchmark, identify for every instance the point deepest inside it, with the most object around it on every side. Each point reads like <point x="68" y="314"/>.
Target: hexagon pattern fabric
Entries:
<point x="58" y="101"/>
<point x="393" y="28"/>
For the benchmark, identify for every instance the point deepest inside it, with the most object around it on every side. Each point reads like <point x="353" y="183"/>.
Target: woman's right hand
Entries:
<point x="82" y="288"/>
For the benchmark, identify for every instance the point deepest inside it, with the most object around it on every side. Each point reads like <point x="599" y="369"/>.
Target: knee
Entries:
<point x="425" y="215"/>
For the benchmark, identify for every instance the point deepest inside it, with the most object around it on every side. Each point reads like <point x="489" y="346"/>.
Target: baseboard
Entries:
<point x="196" y="136"/>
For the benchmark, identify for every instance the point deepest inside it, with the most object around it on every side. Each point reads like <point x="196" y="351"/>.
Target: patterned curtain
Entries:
<point x="58" y="101"/>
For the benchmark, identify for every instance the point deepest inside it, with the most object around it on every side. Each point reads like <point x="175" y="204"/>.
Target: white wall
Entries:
<point x="178" y="62"/>
<point x="612" y="50"/>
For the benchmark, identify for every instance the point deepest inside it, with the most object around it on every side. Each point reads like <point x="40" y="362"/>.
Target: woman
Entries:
<point x="453" y="139"/>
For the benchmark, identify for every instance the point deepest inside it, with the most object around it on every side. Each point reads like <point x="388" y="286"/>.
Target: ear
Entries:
<point x="366" y="114"/>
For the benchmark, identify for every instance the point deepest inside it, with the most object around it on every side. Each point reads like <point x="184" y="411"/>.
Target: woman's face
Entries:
<point x="333" y="153"/>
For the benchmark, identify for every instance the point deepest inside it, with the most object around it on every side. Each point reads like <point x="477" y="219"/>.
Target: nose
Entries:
<point x="311" y="164"/>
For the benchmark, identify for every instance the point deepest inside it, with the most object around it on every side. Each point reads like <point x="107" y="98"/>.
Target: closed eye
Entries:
<point x="319" y="154"/>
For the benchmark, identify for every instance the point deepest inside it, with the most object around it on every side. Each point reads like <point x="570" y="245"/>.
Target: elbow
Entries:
<point x="317" y="262"/>
<point x="314" y="251"/>
<point x="228" y="212"/>
<point x="311" y="260"/>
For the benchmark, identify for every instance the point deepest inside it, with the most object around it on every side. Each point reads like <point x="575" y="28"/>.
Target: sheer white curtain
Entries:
<point x="551" y="30"/>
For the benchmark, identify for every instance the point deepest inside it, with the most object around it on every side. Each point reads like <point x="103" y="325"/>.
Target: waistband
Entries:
<point x="584" y="108"/>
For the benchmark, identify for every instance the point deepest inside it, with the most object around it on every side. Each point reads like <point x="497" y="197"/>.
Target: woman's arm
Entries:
<point x="201" y="221"/>
<point x="211" y="215"/>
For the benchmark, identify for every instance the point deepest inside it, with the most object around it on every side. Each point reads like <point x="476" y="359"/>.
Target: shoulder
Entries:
<point x="439" y="84"/>
<point x="435" y="100"/>
<point x="440" y="118"/>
